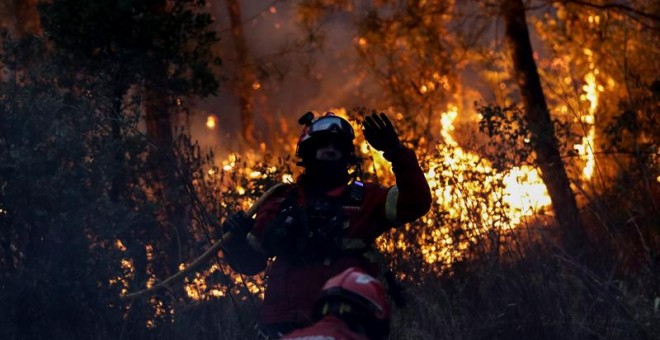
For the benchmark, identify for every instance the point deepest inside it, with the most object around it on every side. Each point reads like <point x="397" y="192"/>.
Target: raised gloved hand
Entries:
<point x="239" y="224"/>
<point x="380" y="133"/>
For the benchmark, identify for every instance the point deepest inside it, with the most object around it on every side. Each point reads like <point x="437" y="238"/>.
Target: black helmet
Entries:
<point x="328" y="127"/>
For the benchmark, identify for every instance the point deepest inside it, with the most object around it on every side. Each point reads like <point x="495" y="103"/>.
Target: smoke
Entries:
<point x="297" y="72"/>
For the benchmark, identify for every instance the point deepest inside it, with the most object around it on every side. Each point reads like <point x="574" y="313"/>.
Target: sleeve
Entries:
<point x="410" y="198"/>
<point x="245" y="254"/>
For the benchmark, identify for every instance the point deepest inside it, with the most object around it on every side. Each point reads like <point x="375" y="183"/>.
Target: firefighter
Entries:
<point x="327" y="221"/>
<point x="351" y="306"/>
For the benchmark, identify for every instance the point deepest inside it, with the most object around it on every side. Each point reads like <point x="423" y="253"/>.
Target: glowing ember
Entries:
<point x="119" y="245"/>
<point x="211" y="121"/>
<point x="199" y="288"/>
<point x="128" y="272"/>
<point x="287" y="178"/>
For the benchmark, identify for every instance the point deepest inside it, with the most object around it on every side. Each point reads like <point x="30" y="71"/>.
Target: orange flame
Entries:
<point x="591" y="89"/>
<point x="522" y="191"/>
<point x="211" y="121"/>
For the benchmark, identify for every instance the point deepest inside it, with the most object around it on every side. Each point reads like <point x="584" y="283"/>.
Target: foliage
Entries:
<point x="406" y="49"/>
<point x="508" y="136"/>
<point x="170" y="46"/>
<point x="70" y="245"/>
<point x="57" y="220"/>
<point x="540" y="294"/>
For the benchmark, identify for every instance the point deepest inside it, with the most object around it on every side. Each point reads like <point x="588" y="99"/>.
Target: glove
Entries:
<point x="380" y="133"/>
<point x="238" y="223"/>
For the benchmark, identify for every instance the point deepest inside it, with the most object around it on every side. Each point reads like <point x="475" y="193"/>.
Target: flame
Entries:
<point x="591" y="92"/>
<point x="521" y="190"/>
<point x="211" y="121"/>
<point x="522" y="193"/>
<point x="524" y="190"/>
<point x="591" y="89"/>
<point x="199" y="288"/>
<point x="119" y="245"/>
<point x="447" y="121"/>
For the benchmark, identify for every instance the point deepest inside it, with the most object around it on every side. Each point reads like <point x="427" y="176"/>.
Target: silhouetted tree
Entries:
<point x="540" y="124"/>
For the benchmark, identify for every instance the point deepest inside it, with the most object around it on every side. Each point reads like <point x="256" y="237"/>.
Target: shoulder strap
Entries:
<point x="355" y="193"/>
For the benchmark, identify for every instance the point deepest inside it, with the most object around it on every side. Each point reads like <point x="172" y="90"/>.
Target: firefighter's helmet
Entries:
<point x="319" y="130"/>
<point x="360" y="289"/>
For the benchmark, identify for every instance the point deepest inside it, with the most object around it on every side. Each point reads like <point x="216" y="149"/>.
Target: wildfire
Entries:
<point x="457" y="179"/>
<point x="199" y="288"/>
<point x="465" y="186"/>
<point x="524" y="191"/>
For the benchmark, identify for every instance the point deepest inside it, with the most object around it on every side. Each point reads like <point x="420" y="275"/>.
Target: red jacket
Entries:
<point x="328" y="328"/>
<point x="291" y="288"/>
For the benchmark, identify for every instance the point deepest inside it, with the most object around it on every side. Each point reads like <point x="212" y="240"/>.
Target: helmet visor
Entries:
<point x="331" y="124"/>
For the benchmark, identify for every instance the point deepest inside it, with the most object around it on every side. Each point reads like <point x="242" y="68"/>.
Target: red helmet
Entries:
<point x="329" y="126"/>
<point x="358" y="287"/>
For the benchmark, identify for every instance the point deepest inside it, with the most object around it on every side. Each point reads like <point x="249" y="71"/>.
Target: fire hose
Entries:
<point x="206" y="255"/>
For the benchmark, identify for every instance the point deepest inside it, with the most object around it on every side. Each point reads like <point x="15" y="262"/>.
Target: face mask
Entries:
<point x="327" y="174"/>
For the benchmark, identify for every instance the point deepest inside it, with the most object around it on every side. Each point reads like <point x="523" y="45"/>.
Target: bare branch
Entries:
<point x="615" y="6"/>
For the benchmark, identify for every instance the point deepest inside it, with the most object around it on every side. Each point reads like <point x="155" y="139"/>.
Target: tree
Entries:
<point x="542" y="130"/>
<point x="54" y="211"/>
<point x="127" y="56"/>
<point x="245" y="77"/>
<point x="165" y="48"/>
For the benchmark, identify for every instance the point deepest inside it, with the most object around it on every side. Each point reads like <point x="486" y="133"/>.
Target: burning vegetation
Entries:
<point x="114" y="178"/>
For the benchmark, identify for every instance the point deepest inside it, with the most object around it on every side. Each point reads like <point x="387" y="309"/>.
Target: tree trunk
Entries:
<point x="157" y="116"/>
<point x="541" y="127"/>
<point x="245" y="75"/>
<point x="26" y="18"/>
